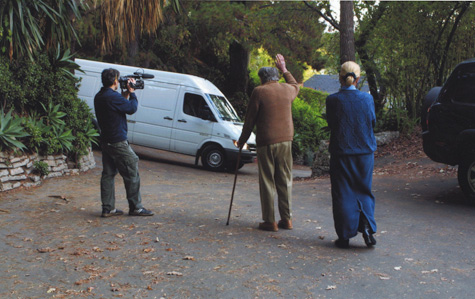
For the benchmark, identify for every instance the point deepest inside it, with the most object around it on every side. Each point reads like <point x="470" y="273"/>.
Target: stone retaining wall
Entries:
<point x="17" y="171"/>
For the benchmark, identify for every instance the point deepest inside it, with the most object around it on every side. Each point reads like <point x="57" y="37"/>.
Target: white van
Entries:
<point x="179" y="113"/>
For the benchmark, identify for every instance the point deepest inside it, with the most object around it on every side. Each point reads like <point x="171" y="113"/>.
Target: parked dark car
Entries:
<point x="448" y="124"/>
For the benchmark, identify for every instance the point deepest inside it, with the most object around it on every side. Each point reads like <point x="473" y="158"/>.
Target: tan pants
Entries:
<point x="275" y="173"/>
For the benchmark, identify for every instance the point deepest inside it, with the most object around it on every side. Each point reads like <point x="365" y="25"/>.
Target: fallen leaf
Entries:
<point x="330" y="288"/>
<point x="397" y="268"/>
<point x="321" y="237"/>
<point x="97" y="249"/>
<point x="175" y="273"/>
<point x="431" y="271"/>
<point x="51" y="290"/>
<point x="282" y="246"/>
<point x="148" y="272"/>
<point x="44" y="250"/>
<point x="120" y="236"/>
<point x="147" y="250"/>
<point x="189" y="258"/>
<point x="169" y="249"/>
<point x="157" y="240"/>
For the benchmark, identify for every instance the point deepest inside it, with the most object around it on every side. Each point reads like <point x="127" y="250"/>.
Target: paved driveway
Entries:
<point x="55" y="245"/>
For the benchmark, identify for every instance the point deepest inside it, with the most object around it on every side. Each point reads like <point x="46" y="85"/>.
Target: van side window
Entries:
<point x="193" y="104"/>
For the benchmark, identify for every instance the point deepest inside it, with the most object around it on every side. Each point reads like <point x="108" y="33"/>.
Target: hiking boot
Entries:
<point x="285" y="224"/>
<point x="141" y="212"/>
<point x="268" y="226"/>
<point x="109" y="213"/>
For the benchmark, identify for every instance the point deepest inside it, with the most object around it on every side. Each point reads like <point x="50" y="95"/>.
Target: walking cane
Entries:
<point x="234" y="186"/>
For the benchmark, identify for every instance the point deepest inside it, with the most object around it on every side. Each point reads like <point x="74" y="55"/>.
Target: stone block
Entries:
<point x="59" y="167"/>
<point x="15" y="171"/>
<point x="4" y="172"/>
<point x="5" y="165"/>
<point x="35" y="178"/>
<point x="16" y="159"/>
<point x="21" y="163"/>
<point x="6" y="186"/>
<point x="33" y="184"/>
<point x="51" y="163"/>
<point x="16" y="177"/>
<point x="54" y="174"/>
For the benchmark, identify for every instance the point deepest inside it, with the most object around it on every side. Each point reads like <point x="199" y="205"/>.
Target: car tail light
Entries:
<point x="427" y="117"/>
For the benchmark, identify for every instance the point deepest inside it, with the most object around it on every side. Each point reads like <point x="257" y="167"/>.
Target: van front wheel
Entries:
<point x="213" y="158"/>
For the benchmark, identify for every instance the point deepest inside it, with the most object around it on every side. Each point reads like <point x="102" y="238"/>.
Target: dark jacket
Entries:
<point x="111" y="109"/>
<point x="351" y="118"/>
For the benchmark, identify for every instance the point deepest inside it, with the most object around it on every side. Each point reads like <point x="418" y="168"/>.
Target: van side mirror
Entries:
<point x="206" y="114"/>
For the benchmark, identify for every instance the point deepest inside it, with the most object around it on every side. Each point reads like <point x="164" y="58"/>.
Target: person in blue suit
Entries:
<point x="351" y="119"/>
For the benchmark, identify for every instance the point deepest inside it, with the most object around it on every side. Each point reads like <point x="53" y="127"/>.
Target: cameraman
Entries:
<point x="117" y="155"/>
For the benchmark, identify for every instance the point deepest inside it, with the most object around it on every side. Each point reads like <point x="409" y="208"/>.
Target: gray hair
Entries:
<point x="268" y="74"/>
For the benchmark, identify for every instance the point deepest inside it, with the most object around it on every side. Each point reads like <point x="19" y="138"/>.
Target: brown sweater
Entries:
<point x="270" y="110"/>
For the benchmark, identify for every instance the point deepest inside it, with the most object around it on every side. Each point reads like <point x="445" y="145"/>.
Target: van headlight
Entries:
<point x="245" y="147"/>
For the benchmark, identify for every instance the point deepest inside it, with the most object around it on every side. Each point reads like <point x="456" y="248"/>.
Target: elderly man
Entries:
<point x="270" y="110"/>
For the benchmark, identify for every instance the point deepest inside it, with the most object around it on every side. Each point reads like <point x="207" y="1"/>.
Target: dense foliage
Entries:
<point x="406" y="48"/>
<point x="46" y="108"/>
<point x="309" y="122"/>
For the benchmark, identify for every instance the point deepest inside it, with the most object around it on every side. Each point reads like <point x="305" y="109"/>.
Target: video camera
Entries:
<point x="139" y="83"/>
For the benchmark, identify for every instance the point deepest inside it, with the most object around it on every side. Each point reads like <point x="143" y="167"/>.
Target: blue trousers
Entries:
<point x="120" y="158"/>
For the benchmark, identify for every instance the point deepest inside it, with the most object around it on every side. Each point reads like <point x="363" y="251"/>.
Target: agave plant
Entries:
<point x="10" y="130"/>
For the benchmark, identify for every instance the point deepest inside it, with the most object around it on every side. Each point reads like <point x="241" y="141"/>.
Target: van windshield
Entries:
<point x="224" y="108"/>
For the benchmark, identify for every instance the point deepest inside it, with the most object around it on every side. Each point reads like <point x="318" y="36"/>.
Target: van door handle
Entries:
<point x="182" y="120"/>
<point x="131" y="121"/>
<point x="168" y="118"/>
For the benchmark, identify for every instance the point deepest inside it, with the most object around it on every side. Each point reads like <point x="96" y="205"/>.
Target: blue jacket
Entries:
<point x="351" y="118"/>
<point x="111" y="109"/>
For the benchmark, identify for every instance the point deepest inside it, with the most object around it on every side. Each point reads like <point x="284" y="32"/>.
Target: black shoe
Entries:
<point x="141" y="212"/>
<point x="368" y="238"/>
<point x="114" y="212"/>
<point x="342" y="243"/>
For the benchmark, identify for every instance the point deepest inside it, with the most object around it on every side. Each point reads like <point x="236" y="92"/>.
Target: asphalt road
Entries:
<point x="55" y="245"/>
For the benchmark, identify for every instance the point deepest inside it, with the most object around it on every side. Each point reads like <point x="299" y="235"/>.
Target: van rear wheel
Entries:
<point x="213" y="158"/>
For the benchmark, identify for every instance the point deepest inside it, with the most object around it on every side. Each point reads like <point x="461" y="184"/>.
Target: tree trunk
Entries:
<point x="347" y="33"/>
<point x="133" y="49"/>
<point x="376" y="87"/>
<point x="440" y="78"/>
<point x="238" y="68"/>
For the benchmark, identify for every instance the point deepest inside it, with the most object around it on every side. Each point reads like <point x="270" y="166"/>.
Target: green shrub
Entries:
<point x="396" y="119"/>
<point x="310" y="127"/>
<point x="10" y="130"/>
<point x="45" y="91"/>
<point x="41" y="168"/>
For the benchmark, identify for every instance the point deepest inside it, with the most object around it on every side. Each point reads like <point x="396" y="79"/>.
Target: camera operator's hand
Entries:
<point x="129" y="88"/>
<point x="126" y="93"/>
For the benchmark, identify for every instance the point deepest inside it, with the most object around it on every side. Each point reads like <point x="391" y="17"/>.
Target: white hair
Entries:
<point x="349" y="72"/>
